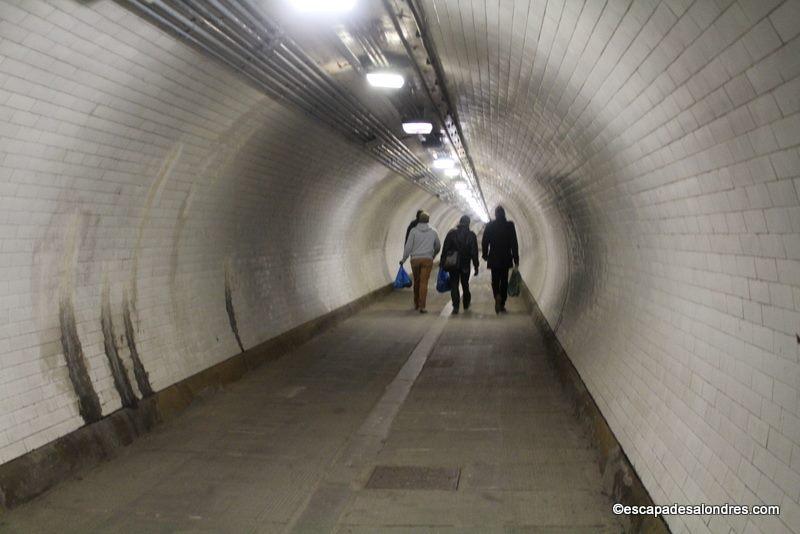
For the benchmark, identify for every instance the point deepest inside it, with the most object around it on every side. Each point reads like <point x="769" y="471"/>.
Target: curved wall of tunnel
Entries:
<point x="160" y="215"/>
<point x="647" y="151"/>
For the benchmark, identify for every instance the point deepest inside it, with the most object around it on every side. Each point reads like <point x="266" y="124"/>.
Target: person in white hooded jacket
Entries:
<point x="422" y="245"/>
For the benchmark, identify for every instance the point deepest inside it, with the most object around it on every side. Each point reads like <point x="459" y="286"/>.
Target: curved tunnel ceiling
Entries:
<point x="647" y="150"/>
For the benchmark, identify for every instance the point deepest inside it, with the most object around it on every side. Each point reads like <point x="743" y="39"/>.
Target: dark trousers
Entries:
<point x="455" y="277"/>
<point x="500" y="285"/>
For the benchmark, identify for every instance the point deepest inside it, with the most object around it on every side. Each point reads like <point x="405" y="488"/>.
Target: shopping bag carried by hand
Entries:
<point x="443" y="281"/>
<point x="402" y="279"/>
<point x="515" y="283"/>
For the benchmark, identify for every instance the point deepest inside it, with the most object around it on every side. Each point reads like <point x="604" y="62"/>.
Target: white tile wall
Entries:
<point x="131" y="164"/>
<point x="649" y="152"/>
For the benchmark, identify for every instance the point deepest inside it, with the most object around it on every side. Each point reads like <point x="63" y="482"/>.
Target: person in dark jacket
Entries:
<point x="500" y="250"/>
<point x="464" y="243"/>
<point x="412" y="224"/>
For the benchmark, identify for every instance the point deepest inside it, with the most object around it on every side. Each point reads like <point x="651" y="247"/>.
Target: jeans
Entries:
<point x="421" y="269"/>
<point x="500" y="285"/>
<point x="455" y="276"/>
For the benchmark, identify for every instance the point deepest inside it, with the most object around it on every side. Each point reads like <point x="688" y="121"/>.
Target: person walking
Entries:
<point x="412" y="224"/>
<point x="422" y="246"/>
<point x="459" y="250"/>
<point x="500" y="250"/>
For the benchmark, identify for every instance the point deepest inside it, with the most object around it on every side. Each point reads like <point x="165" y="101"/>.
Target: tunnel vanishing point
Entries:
<point x="203" y="205"/>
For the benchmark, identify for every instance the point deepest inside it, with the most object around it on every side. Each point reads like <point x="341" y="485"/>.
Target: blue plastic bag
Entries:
<point x="443" y="281"/>
<point x="402" y="279"/>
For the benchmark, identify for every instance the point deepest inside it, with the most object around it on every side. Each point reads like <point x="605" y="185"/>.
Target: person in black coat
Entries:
<point x="464" y="243"/>
<point x="412" y="224"/>
<point x="500" y="251"/>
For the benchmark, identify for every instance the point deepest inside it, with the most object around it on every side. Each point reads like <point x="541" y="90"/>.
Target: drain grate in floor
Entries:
<point x="412" y="477"/>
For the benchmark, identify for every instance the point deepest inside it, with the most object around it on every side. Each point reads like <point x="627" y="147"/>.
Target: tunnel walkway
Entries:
<point x="482" y="442"/>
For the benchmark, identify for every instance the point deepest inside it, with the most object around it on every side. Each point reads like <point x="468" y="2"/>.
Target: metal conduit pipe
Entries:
<point x="443" y="104"/>
<point x="233" y="37"/>
<point x="289" y="44"/>
<point x="259" y="62"/>
<point x="454" y="128"/>
<point x="313" y="77"/>
<point x="207" y="44"/>
<point x="286" y="73"/>
<point x="286" y="56"/>
<point x="395" y="146"/>
<point x="275" y="90"/>
<point x="173" y="27"/>
<point x="335" y="89"/>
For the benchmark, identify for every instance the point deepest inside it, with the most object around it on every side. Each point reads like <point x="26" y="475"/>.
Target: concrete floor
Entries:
<point x="291" y="447"/>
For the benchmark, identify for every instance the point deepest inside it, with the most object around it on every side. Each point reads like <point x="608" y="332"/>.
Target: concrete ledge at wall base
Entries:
<point x="620" y="479"/>
<point x="30" y="475"/>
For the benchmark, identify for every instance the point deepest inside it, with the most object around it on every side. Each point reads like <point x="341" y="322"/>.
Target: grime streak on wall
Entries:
<point x="118" y="371"/>
<point x="139" y="372"/>
<point x="88" y="401"/>
<point x="229" y="305"/>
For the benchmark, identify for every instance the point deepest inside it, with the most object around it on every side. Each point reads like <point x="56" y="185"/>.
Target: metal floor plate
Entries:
<point x="412" y="477"/>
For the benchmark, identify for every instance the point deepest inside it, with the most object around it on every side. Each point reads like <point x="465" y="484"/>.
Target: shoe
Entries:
<point x="423" y="311"/>
<point x="503" y="310"/>
<point x="466" y="305"/>
<point x="496" y="305"/>
<point x="455" y="311"/>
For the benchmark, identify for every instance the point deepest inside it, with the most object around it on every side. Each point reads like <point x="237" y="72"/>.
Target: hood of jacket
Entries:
<point x="423" y="227"/>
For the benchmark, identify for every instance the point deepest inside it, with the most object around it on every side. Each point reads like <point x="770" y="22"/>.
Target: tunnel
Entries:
<point x="203" y="204"/>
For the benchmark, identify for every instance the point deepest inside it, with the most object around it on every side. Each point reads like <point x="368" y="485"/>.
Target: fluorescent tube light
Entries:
<point x="323" y="6"/>
<point x="452" y="173"/>
<point x="443" y="163"/>
<point x="386" y="80"/>
<point x="465" y="193"/>
<point x="417" y="127"/>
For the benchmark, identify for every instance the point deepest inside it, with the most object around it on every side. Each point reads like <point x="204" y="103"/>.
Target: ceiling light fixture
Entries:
<point x="386" y="80"/>
<point x="417" y="127"/>
<point x="323" y="6"/>
<point x="452" y="173"/>
<point x="443" y="163"/>
<point x="460" y="186"/>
